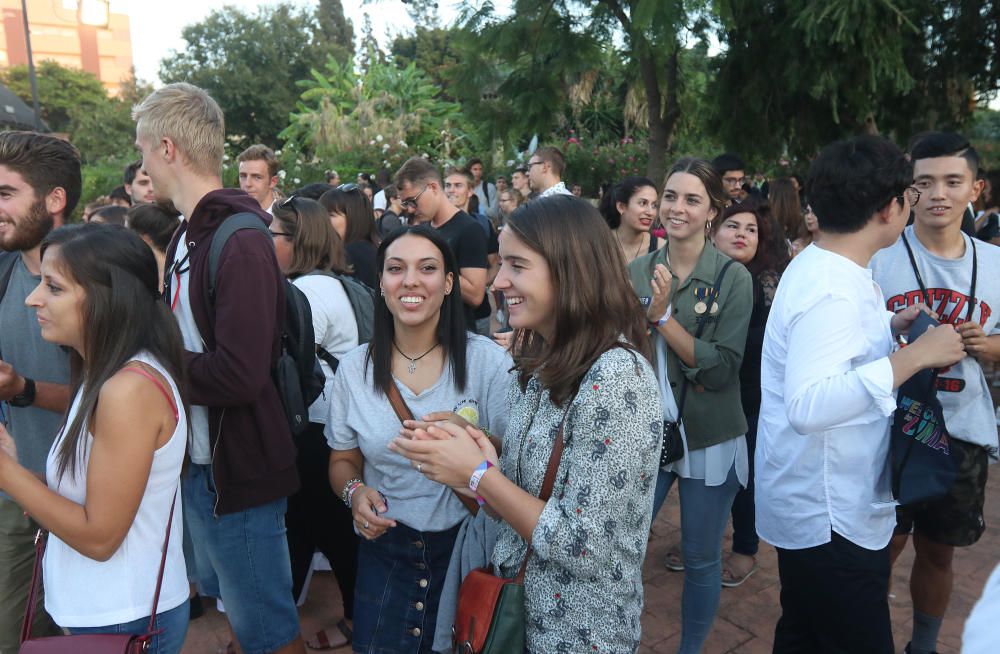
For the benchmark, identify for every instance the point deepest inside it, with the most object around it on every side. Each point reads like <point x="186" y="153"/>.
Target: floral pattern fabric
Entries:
<point x="583" y="585"/>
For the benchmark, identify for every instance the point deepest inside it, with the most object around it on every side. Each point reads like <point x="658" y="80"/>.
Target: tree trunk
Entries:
<point x="663" y="116"/>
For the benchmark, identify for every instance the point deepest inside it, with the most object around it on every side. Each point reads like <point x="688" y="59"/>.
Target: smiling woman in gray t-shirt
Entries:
<point x="409" y="524"/>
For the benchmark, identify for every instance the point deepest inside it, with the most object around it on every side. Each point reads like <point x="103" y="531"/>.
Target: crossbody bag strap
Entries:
<point x="916" y="271"/>
<point x="163" y="563"/>
<point x="547" y="483"/>
<point x="403" y="413"/>
<point x="36" y="573"/>
<point x="716" y="289"/>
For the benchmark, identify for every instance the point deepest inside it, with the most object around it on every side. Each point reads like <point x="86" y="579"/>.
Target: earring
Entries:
<point x="708" y="227"/>
<point x="381" y="292"/>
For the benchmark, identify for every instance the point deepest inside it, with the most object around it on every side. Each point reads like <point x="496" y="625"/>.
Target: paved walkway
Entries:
<point x="745" y="623"/>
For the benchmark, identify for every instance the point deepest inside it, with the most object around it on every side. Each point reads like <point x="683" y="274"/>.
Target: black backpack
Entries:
<point x="362" y="301"/>
<point x="7" y="262"/>
<point x="297" y="374"/>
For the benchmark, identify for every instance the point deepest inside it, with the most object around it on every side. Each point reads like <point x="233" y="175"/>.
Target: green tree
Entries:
<point x="433" y="50"/>
<point x="374" y="119"/>
<point x="529" y="62"/>
<point x="249" y="63"/>
<point x="63" y="93"/>
<point x="900" y="67"/>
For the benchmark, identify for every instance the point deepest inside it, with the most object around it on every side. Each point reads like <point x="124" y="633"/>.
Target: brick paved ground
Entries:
<point x="745" y="623"/>
<point x="746" y="618"/>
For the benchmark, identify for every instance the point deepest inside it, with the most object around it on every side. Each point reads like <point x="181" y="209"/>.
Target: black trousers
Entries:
<point x="834" y="600"/>
<point x="318" y="520"/>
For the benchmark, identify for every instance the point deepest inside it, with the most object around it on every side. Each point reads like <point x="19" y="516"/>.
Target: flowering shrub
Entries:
<point x="591" y="164"/>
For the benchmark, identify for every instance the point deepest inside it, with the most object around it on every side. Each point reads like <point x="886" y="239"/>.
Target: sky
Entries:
<point x="156" y="25"/>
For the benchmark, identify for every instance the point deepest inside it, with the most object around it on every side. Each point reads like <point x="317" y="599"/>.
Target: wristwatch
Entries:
<point x="25" y="397"/>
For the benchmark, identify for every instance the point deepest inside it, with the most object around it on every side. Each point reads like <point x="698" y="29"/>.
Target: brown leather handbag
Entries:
<point x="403" y="413"/>
<point x="490" y="616"/>
<point x="89" y="643"/>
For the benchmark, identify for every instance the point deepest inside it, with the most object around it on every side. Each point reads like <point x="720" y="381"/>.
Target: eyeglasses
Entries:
<point x="534" y="163"/>
<point x="347" y="188"/>
<point x="289" y="204"/>
<point x="273" y="234"/>
<point x="912" y="195"/>
<point x="411" y="203"/>
<point x="735" y="181"/>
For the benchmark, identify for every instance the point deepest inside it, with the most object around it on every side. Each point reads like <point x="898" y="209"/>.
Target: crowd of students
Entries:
<point x="744" y="341"/>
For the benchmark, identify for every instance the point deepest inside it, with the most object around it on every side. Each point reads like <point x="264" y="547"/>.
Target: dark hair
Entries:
<point x="119" y="193"/>
<point x="391" y="192"/>
<point x="417" y="170"/>
<point x="131" y="170"/>
<point x="451" y="331"/>
<point x="552" y="156"/>
<point x="710" y="179"/>
<point x="331" y="174"/>
<point x="595" y="306"/>
<point x="153" y="221"/>
<point x="260" y="152"/>
<point x="45" y="162"/>
<point x="122" y="316"/>
<point x="472" y="162"/>
<point x="312" y="191"/>
<point x="621" y="192"/>
<point x="726" y="162"/>
<point x="356" y="206"/>
<point x="786" y="208"/>
<point x="315" y="244"/>
<point x="850" y="181"/>
<point x="111" y="214"/>
<point x="772" y="251"/>
<point x="930" y="145"/>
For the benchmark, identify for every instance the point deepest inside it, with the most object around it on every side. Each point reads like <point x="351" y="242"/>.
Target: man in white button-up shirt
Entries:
<point x="828" y="381"/>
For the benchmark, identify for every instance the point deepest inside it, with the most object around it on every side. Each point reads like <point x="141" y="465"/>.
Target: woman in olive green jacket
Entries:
<point x="675" y="284"/>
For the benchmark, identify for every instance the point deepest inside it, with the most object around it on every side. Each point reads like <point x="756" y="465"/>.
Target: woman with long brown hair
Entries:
<point x="582" y="376"/>
<point x="699" y="304"/>
<point x="310" y="254"/>
<point x="113" y="472"/>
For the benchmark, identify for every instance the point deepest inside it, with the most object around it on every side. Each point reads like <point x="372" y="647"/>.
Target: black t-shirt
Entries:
<point x="388" y="222"/>
<point x="468" y="243"/>
<point x="361" y="255"/>
<point x="492" y="247"/>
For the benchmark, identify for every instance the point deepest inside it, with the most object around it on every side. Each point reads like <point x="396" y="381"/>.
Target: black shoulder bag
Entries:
<point x="924" y="465"/>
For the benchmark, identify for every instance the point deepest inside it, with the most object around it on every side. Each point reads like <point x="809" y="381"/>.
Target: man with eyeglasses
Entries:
<point x="960" y="277"/>
<point x="421" y="191"/>
<point x="243" y="464"/>
<point x="732" y="170"/>
<point x="545" y="169"/>
<point x="829" y="372"/>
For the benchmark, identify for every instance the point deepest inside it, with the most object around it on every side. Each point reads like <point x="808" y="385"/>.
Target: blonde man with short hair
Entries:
<point x="243" y="467"/>
<point x="258" y="169"/>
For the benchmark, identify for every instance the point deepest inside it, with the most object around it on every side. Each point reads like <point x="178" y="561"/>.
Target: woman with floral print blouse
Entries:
<point x="580" y="360"/>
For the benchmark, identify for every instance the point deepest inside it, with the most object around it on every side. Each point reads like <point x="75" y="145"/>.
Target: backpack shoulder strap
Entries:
<point x="229" y="226"/>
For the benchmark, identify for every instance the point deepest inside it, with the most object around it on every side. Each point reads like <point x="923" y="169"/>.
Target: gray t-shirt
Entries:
<point x="361" y="418"/>
<point x="962" y="389"/>
<point x="22" y="346"/>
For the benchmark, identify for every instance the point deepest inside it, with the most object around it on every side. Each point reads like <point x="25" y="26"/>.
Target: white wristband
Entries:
<point x="666" y="316"/>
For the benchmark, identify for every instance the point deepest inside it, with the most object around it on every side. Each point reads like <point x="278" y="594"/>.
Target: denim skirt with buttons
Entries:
<point x="400" y="577"/>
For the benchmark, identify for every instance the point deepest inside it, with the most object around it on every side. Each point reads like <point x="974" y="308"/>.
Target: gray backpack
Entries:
<point x="362" y="301"/>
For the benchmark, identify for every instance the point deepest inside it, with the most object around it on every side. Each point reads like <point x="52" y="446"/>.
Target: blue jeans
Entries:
<point x="172" y="624"/>
<point x="704" y="513"/>
<point x="242" y="558"/>
<point x="400" y="577"/>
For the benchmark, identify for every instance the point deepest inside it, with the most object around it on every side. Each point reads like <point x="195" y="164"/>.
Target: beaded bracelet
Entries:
<point x="348" y="491"/>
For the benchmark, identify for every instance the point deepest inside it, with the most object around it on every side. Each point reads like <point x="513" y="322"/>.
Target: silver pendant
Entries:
<point x="412" y="367"/>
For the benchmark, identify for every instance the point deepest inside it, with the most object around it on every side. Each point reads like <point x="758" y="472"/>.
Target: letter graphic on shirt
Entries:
<point x="950" y="305"/>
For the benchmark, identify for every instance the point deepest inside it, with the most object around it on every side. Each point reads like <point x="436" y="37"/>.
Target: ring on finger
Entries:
<point x="419" y="467"/>
<point x="365" y="526"/>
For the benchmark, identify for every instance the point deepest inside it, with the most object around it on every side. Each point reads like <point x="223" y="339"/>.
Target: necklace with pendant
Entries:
<point x="412" y="366"/>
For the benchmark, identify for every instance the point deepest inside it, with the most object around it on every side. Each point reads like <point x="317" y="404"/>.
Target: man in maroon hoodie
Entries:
<point x="242" y="454"/>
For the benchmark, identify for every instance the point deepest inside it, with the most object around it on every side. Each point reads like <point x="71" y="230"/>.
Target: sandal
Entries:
<point x="674" y="559"/>
<point x="321" y="641"/>
<point x="731" y="579"/>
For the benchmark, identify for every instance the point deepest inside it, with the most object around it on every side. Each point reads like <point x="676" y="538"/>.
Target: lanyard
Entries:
<point x="923" y="289"/>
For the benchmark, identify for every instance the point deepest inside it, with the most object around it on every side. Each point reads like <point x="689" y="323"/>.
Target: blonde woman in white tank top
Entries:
<point x="113" y="470"/>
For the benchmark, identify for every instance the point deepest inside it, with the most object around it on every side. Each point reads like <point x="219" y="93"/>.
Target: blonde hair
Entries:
<point x="189" y="117"/>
